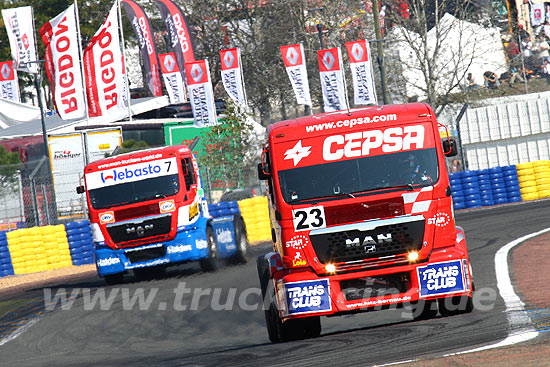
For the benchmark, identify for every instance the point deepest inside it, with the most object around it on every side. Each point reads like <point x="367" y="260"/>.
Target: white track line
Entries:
<point x="518" y="320"/>
<point x="20" y="330"/>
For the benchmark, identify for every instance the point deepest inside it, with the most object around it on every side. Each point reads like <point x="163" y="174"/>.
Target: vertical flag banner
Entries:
<point x="200" y="93"/>
<point x="103" y="69"/>
<point x="172" y="78"/>
<point x="178" y="31"/>
<point x="146" y="41"/>
<point x="9" y="85"/>
<point x="332" y="79"/>
<point x="63" y="64"/>
<point x="294" y="60"/>
<point x="232" y="75"/>
<point x="20" y="28"/>
<point x="361" y="72"/>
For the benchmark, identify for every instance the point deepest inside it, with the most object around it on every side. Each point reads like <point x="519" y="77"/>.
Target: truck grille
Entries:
<point x="370" y="287"/>
<point x="151" y="253"/>
<point x="352" y="242"/>
<point x="140" y="228"/>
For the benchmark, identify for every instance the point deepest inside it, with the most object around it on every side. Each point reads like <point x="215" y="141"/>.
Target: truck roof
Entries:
<point x="320" y="124"/>
<point x="136" y="156"/>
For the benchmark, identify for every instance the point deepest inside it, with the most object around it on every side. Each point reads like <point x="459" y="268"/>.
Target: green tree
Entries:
<point x="10" y="163"/>
<point x="230" y="150"/>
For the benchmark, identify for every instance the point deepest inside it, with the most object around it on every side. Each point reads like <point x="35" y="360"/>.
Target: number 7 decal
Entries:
<point x="306" y="219"/>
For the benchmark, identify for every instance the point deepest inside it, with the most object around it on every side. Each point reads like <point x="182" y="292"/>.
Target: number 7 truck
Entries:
<point x="147" y="210"/>
<point x="362" y="219"/>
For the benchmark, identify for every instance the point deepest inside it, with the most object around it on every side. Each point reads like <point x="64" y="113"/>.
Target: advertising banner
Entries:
<point x="20" y="27"/>
<point x="9" y="84"/>
<point x="232" y="75"/>
<point x="332" y="79"/>
<point x="172" y="78"/>
<point x="361" y="72"/>
<point x="63" y="64"/>
<point x="103" y="70"/>
<point x="201" y="94"/>
<point x="294" y="60"/>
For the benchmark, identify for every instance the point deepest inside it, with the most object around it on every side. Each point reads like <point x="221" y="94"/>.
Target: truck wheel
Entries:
<point x="113" y="279"/>
<point x="241" y="256"/>
<point x="424" y="309"/>
<point x="455" y="305"/>
<point x="212" y="262"/>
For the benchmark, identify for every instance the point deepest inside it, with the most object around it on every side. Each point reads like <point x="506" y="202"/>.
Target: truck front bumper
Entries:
<point x="303" y="293"/>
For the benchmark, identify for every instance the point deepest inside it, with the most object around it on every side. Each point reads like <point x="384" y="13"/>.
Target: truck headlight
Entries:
<point x="330" y="268"/>
<point x="413" y="256"/>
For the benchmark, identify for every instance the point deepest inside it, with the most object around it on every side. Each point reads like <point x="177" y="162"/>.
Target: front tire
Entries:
<point x="241" y="256"/>
<point x="212" y="262"/>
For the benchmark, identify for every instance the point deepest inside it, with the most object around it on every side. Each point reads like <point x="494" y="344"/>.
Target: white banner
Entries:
<point x="103" y="70"/>
<point x="361" y="72"/>
<point x="200" y="93"/>
<point x="63" y="64"/>
<point x="172" y="78"/>
<point x="293" y="58"/>
<point x="20" y="28"/>
<point x="232" y="75"/>
<point x="9" y="84"/>
<point x="332" y="79"/>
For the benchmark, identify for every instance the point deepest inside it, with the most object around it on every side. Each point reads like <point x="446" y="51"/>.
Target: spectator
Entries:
<point x="527" y="45"/>
<point x="544" y="53"/>
<point x="515" y="75"/>
<point x="545" y="71"/>
<point x="455" y="167"/>
<point x="513" y="50"/>
<point x="546" y="29"/>
<point x="491" y="80"/>
<point x="470" y="82"/>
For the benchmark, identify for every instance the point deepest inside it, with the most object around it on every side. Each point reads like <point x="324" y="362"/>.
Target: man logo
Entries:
<point x="328" y="60"/>
<point x="292" y="56"/>
<point x="6" y="71"/>
<point x="357" y="52"/>
<point x="169" y="63"/>
<point x="196" y="73"/>
<point x="228" y="59"/>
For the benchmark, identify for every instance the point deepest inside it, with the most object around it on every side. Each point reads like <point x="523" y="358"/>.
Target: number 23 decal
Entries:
<point x="306" y="219"/>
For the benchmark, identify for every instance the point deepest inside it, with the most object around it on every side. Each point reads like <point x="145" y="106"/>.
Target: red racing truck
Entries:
<point x="362" y="219"/>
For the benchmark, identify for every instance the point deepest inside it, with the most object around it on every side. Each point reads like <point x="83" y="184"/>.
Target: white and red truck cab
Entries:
<point x="361" y="217"/>
<point x="147" y="210"/>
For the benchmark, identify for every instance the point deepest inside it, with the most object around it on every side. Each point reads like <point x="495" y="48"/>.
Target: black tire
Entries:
<point x="113" y="279"/>
<point x="456" y="305"/>
<point x="241" y="256"/>
<point x="212" y="262"/>
<point x="424" y="309"/>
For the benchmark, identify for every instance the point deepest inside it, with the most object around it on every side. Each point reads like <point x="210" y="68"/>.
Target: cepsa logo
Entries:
<point x="167" y="206"/>
<point x="363" y="143"/>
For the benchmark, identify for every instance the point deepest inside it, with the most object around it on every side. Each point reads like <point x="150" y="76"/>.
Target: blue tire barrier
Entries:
<point x="501" y="201"/>
<point x="469" y="179"/>
<point x="499" y="191"/>
<point x="513" y="188"/>
<point x="455" y="175"/>
<point x="470" y="185"/>
<point x="514" y="199"/>
<point x="486" y="197"/>
<point x="473" y="204"/>
<point x="495" y="170"/>
<point x="455" y="181"/>
<point x="487" y="203"/>
<point x="459" y="205"/>
<point x="500" y="196"/>
<point x="485" y="187"/>
<point x="474" y="197"/>
<point x="471" y="191"/>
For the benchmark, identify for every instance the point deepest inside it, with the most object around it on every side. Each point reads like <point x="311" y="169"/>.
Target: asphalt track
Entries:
<point x="163" y="335"/>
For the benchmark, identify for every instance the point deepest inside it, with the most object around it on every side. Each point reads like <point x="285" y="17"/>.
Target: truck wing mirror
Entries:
<point x="262" y="175"/>
<point x="449" y="147"/>
<point x="80" y="189"/>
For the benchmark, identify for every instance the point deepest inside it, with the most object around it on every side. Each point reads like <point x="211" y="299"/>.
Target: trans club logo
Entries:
<point x="308" y="296"/>
<point x="122" y="174"/>
<point x="440" y="278"/>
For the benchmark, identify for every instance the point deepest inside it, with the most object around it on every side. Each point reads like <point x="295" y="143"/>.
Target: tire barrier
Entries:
<point x="81" y="243"/>
<point x="255" y="214"/>
<point x="38" y="249"/>
<point x="224" y="208"/>
<point x="6" y="268"/>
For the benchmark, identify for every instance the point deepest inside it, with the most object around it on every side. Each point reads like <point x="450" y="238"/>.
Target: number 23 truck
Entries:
<point x="361" y="217"/>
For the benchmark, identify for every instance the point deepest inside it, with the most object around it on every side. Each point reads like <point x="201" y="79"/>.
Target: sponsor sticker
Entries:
<point x="298" y="260"/>
<point x="107" y="217"/>
<point x="178" y="249"/>
<point x="308" y="296"/>
<point x="224" y="235"/>
<point x="441" y="278"/>
<point x="108" y="261"/>
<point x="201" y="244"/>
<point x="306" y="219"/>
<point x="193" y="211"/>
<point x="167" y="206"/>
<point x="297" y="242"/>
<point x="440" y="220"/>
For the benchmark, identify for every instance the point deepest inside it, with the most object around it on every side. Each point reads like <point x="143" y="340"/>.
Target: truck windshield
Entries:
<point x="132" y="192"/>
<point x="350" y="177"/>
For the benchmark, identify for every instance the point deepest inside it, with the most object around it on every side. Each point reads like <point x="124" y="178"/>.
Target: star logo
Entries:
<point x="297" y="153"/>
